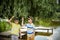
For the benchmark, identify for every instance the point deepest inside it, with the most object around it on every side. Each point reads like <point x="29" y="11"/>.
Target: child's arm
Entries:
<point x="22" y="21"/>
<point x="9" y="21"/>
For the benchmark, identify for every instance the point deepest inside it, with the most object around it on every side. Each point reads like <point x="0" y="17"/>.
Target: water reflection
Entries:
<point x="56" y="34"/>
<point x="40" y="38"/>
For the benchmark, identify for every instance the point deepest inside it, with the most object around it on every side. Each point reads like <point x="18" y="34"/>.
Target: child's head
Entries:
<point x="29" y="19"/>
<point x="16" y="20"/>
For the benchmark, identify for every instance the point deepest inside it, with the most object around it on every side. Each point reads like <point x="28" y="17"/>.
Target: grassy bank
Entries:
<point x="47" y="23"/>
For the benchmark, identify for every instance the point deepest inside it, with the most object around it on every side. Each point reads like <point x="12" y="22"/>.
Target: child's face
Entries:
<point x="16" y="21"/>
<point x="30" y="20"/>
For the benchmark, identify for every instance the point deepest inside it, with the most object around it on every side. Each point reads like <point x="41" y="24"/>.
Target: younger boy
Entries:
<point x="30" y="29"/>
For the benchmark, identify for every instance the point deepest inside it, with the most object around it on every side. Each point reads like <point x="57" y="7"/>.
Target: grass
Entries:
<point x="47" y="23"/>
<point x="4" y="26"/>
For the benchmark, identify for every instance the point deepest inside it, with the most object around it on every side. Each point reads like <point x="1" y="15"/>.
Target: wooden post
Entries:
<point x="47" y="30"/>
<point x="52" y="30"/>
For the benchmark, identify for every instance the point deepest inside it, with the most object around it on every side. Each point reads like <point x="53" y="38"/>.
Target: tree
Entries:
<point x="44" y="9"/>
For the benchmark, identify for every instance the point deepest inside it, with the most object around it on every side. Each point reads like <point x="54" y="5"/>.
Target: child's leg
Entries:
<point x="14" y="37"/>
<point x="30" y="36"/>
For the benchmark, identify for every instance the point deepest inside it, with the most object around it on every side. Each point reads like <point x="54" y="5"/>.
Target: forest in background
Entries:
<point x="42" y="11"/>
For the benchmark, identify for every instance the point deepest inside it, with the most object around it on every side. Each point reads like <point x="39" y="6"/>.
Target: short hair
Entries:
<point x="16" y="18"/>
<point x="29" y="17"/>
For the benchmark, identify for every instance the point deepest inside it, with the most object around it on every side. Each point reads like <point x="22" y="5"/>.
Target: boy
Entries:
<point x="15" y="28"/>
<point x="30" y="29"/>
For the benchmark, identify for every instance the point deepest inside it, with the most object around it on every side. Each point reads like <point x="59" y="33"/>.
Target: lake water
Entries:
<point x="40" y="38"/>
<point x="56" y="34"/>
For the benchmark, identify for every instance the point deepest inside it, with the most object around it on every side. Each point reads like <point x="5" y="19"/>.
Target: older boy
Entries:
<point x="15" y="28"/>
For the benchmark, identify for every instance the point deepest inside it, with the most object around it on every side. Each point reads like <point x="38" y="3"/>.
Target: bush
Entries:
<point x="4" y="26"/>
<point x="47" y="23"/>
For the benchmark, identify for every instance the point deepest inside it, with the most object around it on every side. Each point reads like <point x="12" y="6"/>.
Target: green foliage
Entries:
<point x="20" y="8"/>
<point x="57" y="16"/>
<point x="45" y="23"/>
<point x="4" y="26"/>
<point x="6" y="8"/>
<point x="43" y="9"/>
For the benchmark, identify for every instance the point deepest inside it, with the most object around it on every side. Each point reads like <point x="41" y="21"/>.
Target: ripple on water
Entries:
<point x="40" y="37"/>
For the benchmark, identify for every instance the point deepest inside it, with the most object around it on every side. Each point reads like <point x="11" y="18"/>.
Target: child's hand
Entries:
<point x="12" y="16"/>
<point x="10" y="19"/>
